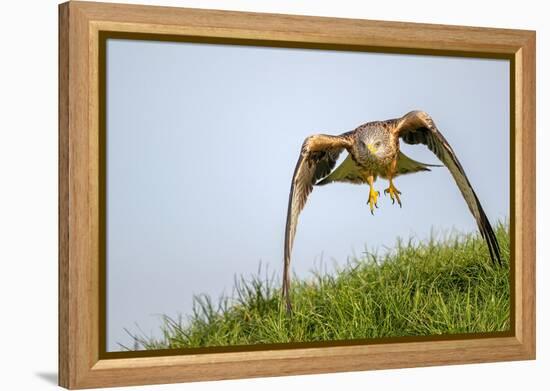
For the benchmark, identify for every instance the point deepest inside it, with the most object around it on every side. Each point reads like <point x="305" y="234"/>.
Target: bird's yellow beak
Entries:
<point x="371" y="148"/>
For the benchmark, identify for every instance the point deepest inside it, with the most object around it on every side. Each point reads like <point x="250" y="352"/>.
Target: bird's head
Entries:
<point x="375" y="142"/>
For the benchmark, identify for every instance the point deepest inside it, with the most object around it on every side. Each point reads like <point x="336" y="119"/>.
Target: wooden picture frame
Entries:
<point x="82" y="361"/>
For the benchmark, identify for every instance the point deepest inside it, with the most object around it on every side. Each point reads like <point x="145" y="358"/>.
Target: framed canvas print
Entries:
<point x="248" y="195"/>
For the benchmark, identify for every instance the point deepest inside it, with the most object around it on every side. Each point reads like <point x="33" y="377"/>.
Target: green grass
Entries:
<point x="436" y="287"/>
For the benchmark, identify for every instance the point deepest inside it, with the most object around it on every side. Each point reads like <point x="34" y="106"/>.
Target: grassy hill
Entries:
<point x="435" y="287"/>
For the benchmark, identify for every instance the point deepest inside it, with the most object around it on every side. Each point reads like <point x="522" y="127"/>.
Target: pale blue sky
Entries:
<point x="201" y="145"/>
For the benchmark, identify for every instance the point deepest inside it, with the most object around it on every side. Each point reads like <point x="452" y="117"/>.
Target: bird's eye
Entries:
<point x="377" y="144"/>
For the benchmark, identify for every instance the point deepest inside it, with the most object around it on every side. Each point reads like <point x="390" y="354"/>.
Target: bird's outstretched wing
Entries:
<point x="317" y="158"/>
<point x="417" y="127"/>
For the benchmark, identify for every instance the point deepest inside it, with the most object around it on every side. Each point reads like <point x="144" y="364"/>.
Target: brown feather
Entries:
<point x="317" y="158"/>
<point x="417" y="127"/>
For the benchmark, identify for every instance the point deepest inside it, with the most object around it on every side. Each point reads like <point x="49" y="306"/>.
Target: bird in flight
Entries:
<point x="373" y="151"/>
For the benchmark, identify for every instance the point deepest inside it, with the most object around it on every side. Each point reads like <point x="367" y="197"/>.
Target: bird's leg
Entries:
<point x="373" y="194"/>
<point x="393" y="192"/>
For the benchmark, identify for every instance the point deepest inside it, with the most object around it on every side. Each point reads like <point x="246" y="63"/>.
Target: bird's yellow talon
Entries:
<point x="373" y="200"/>
<point x="394" y="193"/>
